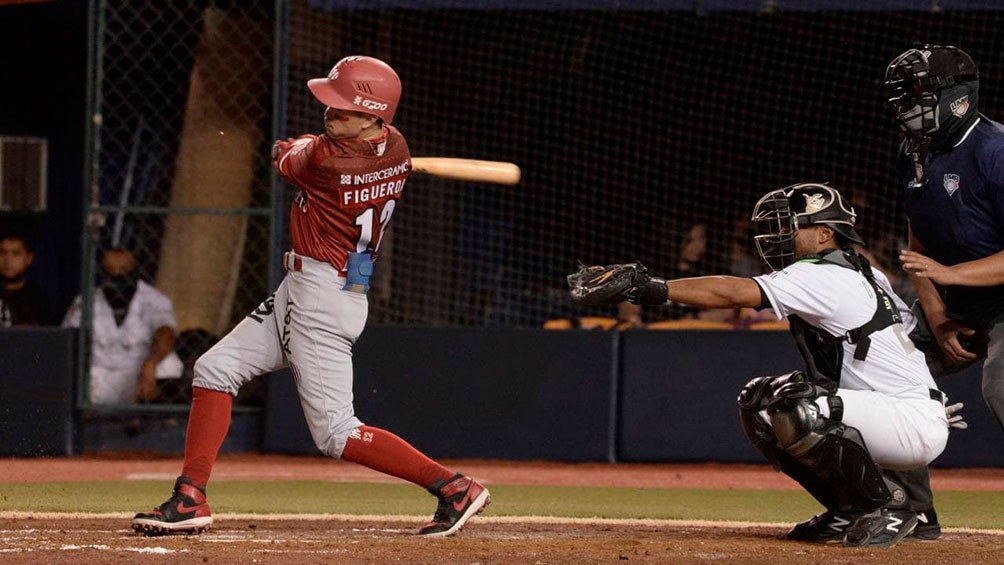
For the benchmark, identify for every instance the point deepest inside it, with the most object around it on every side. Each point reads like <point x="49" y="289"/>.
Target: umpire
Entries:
<point x="951" y="171"/>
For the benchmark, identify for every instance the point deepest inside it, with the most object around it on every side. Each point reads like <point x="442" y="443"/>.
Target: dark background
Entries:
<point x="44" y="76"/>
<point x="629" y="126"/>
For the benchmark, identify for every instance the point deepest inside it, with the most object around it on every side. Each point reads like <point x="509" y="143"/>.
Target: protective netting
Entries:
<point x="631" y="129"/>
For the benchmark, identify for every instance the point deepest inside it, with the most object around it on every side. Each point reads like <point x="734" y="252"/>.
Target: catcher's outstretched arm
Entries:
<point x="716" y="292"/>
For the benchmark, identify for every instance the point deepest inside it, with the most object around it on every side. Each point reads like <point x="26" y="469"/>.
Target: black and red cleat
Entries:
<point x="460" y="497"/>
<point x="186" y="512"/>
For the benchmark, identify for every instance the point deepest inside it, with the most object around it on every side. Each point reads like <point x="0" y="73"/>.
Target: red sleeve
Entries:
<point x="292" y="155"/>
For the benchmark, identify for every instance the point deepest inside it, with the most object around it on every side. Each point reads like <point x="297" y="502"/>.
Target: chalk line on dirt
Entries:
<point x="21" y="515"/>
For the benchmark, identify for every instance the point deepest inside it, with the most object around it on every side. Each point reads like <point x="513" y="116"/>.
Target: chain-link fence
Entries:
<point x="643" y="135"/>
<point x="182" y="119"/>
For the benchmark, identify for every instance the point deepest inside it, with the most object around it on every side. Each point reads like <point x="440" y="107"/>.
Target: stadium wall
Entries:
<point x="517" y="394"/>
<point x="636" y="396"/>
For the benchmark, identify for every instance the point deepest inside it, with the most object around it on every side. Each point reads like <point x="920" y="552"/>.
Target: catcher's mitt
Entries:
<point x="596" y="286"/>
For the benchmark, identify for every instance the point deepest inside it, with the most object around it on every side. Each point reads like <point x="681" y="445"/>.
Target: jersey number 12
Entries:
<point x="367" y="226"/>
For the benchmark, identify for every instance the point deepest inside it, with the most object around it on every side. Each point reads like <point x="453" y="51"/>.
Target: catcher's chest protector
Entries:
<point x="822" y="351"/>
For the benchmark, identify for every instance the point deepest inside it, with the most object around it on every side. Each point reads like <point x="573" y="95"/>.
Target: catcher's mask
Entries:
<point x="930" y="86"/>
<point x="779" y="213"/>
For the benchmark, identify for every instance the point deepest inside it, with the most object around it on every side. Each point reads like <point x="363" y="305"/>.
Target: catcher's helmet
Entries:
<point x="360" y="84"/>
<point x="926" y="86"/>
<point x="779" y="213"/>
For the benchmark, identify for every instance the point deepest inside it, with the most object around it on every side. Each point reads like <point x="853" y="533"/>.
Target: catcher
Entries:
<point x="865" y="401"/>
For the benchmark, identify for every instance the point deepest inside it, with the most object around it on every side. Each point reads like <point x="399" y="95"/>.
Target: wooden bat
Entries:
<point x="496" y="172"/>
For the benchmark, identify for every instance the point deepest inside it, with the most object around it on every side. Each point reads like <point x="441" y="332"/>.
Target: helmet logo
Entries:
<point x="951" y="183"/>
<point x="814" y="203"/>
<point x="369" y="104"/>
<point x="960" y="106"/>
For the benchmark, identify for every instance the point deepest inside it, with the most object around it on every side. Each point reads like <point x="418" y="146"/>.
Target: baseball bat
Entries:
<point x="496" y="172"/>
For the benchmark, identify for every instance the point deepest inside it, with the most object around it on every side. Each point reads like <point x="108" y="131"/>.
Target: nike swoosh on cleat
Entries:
<point x="460" y="504"/>
<point x="182" y="509"/>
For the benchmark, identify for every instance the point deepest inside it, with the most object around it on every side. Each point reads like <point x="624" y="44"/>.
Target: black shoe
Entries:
<point x="460" y="498"/>
<point x="928" y="527"/>
<point x="828" y="527"/>
<point x="187" y="512"/>
<point x="882" y="528"/>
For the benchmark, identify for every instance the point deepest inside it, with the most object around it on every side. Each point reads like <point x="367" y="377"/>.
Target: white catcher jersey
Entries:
<point x="838" y="299"/>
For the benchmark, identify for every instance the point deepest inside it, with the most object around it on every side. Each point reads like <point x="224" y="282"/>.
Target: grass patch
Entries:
<point x="974" y="509"/>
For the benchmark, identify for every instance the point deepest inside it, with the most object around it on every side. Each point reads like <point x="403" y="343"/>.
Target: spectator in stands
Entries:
<point x="22" y="302"/>
<point x="134" y="333"/>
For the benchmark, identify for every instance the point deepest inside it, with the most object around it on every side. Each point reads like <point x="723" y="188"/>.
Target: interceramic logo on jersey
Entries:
<point x="951" y="183"/>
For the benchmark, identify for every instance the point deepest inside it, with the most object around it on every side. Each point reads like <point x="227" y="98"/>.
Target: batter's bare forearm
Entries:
<point x="715" y="292"/>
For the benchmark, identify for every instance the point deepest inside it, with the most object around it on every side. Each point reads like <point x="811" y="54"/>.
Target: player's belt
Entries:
<point x="292" y="262"/>
<point x="937" y="395"/>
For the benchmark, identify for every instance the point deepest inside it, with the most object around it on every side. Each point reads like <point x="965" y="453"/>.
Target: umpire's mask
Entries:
<point x="934" y="91"/>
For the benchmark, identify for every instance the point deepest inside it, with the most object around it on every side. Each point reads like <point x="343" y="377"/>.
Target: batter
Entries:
<point x="350" y="181"/>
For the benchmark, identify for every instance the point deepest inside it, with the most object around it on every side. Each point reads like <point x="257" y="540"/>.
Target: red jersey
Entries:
<point x="348" y="191"/>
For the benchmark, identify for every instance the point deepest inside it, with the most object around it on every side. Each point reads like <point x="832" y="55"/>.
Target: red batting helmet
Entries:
<point x="360" y="84"/>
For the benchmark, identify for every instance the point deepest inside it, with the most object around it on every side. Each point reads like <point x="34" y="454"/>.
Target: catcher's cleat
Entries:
<point x="460" y="497"/>
<point x="928" y="527"/>
<point x="828" y="527"/>
<point x="882" y="528"/>
<point x="186" y="512"/>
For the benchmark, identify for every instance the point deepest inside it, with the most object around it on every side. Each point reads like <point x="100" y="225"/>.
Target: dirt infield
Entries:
<point x="36" y="538"/>
<point x="255" y="540"/>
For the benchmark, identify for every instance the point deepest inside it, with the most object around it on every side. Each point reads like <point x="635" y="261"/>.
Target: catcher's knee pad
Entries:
<point x="753" y="398"/>
<point x="794" y="416"/>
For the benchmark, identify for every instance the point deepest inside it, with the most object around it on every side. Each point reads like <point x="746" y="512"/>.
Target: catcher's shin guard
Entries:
<point x="835" y="453"/>
<point x="752" y="402"/>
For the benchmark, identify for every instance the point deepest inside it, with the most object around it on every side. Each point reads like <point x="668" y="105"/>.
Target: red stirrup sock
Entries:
<point x="383" y="451"/>
<point x="208" y="423"/>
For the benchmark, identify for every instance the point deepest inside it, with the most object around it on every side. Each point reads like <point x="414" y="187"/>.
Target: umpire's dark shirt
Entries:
<point x="959" y="215"/>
